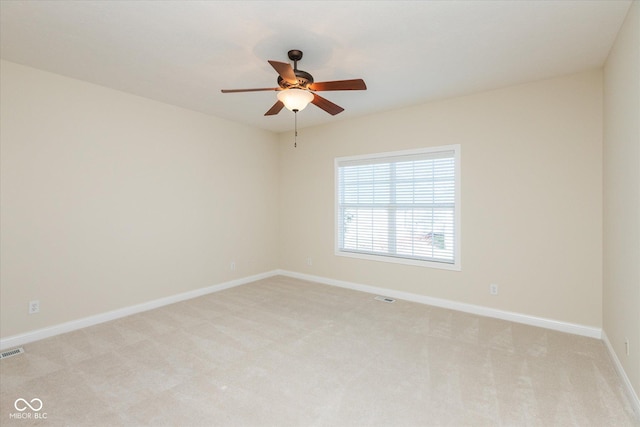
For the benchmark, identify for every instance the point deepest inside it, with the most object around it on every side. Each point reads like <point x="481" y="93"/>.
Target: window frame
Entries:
<point x="456" y="265"/>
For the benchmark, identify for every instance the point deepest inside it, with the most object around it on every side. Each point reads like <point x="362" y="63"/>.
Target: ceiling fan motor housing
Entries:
<point x="304" y="80"/>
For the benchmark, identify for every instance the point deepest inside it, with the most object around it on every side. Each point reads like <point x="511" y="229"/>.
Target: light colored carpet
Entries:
<point x="285" y="352"/>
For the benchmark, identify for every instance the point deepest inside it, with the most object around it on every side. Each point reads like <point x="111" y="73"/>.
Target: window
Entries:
<point x="400" y="207"/>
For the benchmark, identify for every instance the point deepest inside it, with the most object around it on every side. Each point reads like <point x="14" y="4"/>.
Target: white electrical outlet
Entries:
<point x="626" y="346"/>
<point x="309" y="261"/>
<point x="493" y="289"/>
<point x="232" y="266"/>
<point x="34" y="306"/>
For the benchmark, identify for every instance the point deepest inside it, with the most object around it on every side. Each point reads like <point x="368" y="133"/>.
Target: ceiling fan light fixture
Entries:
<point x="295" y="99"/>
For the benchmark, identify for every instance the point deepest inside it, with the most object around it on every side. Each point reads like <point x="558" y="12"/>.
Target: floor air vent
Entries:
<point x="10" y="353"/>
<point x="385" y="299"/>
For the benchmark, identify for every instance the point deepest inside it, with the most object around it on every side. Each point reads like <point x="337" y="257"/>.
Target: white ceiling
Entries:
<point x="408" y="52"/>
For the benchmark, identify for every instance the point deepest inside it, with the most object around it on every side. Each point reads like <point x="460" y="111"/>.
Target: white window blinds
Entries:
<point x="399" y="205"/>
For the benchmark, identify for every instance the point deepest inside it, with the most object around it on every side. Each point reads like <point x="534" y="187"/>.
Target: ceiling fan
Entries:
<point x="296" y="88"/>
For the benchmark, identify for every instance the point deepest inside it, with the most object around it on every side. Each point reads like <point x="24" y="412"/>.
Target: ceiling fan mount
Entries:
<point x="291" y="78"/>
<point x="295" y="55"/>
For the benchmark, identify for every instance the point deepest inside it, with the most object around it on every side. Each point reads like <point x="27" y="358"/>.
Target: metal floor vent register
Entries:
<point x="385" y="299"/>
<point x="10" y="353"/>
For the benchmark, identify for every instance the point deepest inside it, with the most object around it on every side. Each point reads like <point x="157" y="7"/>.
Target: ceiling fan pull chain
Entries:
<point x="295" y="137"/>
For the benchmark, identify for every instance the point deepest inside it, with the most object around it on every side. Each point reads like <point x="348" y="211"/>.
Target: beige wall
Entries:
<point x="621" y="302"/>
<point x="109" y="200"/>
<point x="112" y="200"/>
<point x="531" y="160"/>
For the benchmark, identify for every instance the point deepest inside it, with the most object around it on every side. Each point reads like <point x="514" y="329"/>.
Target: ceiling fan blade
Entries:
<point x="285" y="70"/>
<point x="355" y="84"/>
<point x="275" y="109"/>
<point x="326" y="105"/>
<point x="249" y="90"/>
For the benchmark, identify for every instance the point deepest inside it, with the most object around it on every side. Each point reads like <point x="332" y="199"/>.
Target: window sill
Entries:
<point x="398" y="260"/>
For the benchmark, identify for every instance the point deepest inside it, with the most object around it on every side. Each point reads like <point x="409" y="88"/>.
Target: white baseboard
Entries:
<point x="16" y="340"/>
<point x="631" y="393"/>
<point x="526" y="319"/>
<point x="39" y="334"/>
